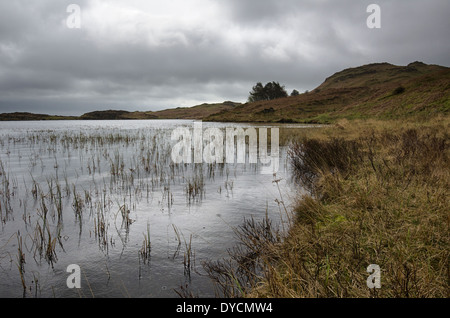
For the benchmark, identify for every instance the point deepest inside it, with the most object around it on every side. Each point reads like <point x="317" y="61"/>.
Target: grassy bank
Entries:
<point x="377" y="193"/>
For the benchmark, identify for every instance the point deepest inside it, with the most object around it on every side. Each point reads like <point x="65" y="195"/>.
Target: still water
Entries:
<point x="106" y="195"/>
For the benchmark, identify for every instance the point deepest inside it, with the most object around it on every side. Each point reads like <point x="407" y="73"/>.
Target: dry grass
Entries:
<point x="377" y="195"/>
<point x="368" y="91"/>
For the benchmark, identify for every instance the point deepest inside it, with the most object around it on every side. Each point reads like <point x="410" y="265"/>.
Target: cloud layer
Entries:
<point x="150" y="55"/>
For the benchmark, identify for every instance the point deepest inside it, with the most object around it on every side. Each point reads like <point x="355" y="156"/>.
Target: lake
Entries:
<point x="107" y="196"/>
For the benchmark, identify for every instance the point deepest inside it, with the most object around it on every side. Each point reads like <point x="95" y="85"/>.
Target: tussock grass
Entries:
<point x="377" y="193"/>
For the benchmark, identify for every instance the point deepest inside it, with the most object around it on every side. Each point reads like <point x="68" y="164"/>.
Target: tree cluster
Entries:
<point x="271" y="90"/>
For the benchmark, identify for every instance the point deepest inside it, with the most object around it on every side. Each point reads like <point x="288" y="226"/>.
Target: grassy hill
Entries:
<point x="378" y="90"/>
<point x="195" y="112"/>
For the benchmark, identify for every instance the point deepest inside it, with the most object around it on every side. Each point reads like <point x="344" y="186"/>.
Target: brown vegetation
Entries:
<point x="377" y="194"/>
<point x="380" y="90"/>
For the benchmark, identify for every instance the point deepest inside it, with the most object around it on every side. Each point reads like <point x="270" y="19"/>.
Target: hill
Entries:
<point x="195" y="112"/>
<point x="379" y="90"/>
<point x="115" y="114"/>
<point x="31" y="116"/>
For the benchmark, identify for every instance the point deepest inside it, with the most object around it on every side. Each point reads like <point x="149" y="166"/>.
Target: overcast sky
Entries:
<point x="151" y="55"/>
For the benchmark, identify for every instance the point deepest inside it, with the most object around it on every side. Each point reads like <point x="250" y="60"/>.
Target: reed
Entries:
<point x="6" y="195"/>
<point x="178" y="237"/>
<point x="144" y="252"/>
<point x="188" y="257"/>
<point x="195" y="189"/>
<point x="240" y="273"/>
<point x="101" y="228"/>
<point x="21" y="260"/>
<point x="125" y="212"/>
<point x="77" y="203"/>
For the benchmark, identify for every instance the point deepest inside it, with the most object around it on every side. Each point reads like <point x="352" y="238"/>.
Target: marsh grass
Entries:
<point x="95" y="181"/>
<point x="101" y="227"/>
<point x="189" y="257"/>
<point x="376" y="193"/>
<point x="21" y="260"/>
<point x="195" y="190"/>
<point x="6" y="194"/>
<point x="144" y="252"/>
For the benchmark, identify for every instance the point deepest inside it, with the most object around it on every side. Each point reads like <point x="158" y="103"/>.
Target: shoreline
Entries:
<point x="376" y="199"/>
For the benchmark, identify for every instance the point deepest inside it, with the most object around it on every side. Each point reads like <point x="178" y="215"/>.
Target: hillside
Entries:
<point x="115" y="114"/>
<point x="30" y="116"/>
<point x="378" y="90"/>
<point x="195" y="112"/>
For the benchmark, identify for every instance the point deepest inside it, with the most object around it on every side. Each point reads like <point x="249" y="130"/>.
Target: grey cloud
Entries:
<point x="47" y="67"/>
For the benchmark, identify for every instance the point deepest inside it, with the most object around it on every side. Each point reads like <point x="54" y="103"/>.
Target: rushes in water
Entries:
<point x="144" y="252"/>
<point x="177" y="233"/>
<point x="21" y="260"/>
<point x="50" y="252"/>
<point x="44" y="243"/>
<point x="239" y="274"/>
<point x="195" y="189"/>
<point x="188" y="257"/>
<point x="101" y="227"/>
<point x="77" y="204"/>
<point x="59" y="204"/>
<point x="5" y="193"/>
<point x="125" y="212"/>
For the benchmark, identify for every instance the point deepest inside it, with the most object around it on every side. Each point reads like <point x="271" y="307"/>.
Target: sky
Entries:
<point x="142" y="55"/>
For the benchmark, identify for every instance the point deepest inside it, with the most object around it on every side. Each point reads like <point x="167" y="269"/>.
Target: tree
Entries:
<point x="295" y="93"/>
<point x="257" y="93"/>
<point x="270" y="91"/>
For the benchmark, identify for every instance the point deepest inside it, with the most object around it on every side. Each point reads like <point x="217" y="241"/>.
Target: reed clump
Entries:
<point x="144" y="252"/>
<point x="240" y="273"/>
